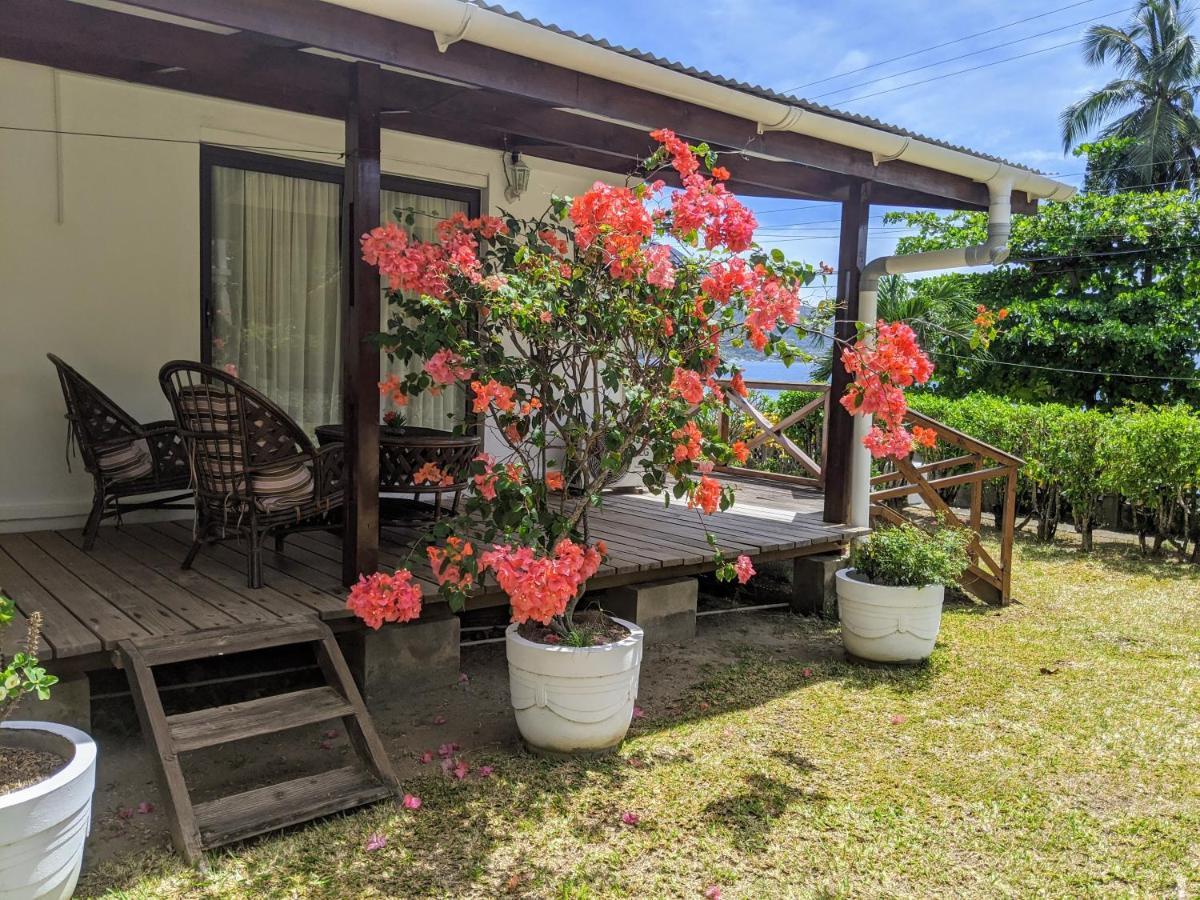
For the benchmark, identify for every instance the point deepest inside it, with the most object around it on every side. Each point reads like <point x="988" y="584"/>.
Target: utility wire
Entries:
<point x="969" y="54"/>
<point x="949" y="43"/>
<point x="988" y="65"/>
<point x="166" y="140"/>
<point x="1067" y="371"/>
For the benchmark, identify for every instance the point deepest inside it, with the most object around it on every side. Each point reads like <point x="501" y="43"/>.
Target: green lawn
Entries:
<point x="1051" y="748"/>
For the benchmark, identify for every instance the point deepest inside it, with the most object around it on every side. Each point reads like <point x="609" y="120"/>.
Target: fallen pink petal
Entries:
<point x="463" y="678"/>
<point x="326" y="745"/>
<point x="712" y="892"/>
<point x="461" y="769"/>
<point x="330" y="734"/>
<point x="376" y="841"/>
<point x="898" y="719"/>
<point x="124" y="812"/>
<point x="439" y="720"/>
<point x="425" y="758"/>
<point x="807" y="672"/>
<point x="639" y="713"/>
<point x="630" y="818"/>
<point x="447" y="750"/>
<point x="412" y="801"/>
<point x="145" y="808"/>
<point x="484" y="771"/>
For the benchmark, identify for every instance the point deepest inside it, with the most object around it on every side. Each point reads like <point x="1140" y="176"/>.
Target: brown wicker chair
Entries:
<point x="255" y="472"/>
<point x="124" y="457"/>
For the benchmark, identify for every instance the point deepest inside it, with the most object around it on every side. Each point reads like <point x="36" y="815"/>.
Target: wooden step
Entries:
<point x="266" y="715"/>
<point x="244" y="815"/>
<point x="231" y="639"/>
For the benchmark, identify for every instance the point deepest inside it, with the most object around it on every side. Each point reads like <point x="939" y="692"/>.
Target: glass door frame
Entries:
<point x="211" y="157"/>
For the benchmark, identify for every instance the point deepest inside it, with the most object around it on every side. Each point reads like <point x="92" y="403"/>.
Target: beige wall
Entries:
<point x="99" y="249"/>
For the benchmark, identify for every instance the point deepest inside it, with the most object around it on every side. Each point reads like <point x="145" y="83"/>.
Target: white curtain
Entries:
<point x="276" y="292"/>
<point x="276" y="287"/>
<point x="427" y="411"/>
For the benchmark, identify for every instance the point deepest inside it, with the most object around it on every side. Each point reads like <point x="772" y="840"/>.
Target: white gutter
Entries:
<point x="992" y="252"/>
<point x="455" y="20"/>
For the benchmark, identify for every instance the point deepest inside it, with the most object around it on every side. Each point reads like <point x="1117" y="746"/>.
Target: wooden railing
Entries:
<point x="972" y="464"/>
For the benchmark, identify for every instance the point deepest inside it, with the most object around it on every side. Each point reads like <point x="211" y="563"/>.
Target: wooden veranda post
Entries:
<point x="852" y="256"/>
<point x="360" y="359"/>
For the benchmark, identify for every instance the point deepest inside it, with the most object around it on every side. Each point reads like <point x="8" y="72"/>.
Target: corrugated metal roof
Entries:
<point x="746" y="87"/>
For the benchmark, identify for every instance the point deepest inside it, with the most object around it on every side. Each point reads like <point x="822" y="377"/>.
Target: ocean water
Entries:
<point x="773" y="370"/>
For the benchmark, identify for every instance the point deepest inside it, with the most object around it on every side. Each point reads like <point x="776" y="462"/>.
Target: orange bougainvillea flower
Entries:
<point x="554" y="479"/>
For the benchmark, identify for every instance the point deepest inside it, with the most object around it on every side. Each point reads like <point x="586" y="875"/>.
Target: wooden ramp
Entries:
<point x="196" y="827"/>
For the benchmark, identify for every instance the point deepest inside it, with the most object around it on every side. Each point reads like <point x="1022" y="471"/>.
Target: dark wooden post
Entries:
<point x="852" y="256"/>
<point x="360" y="359"/>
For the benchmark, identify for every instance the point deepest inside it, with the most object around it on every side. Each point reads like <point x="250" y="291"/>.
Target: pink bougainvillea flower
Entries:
<point x="806" y="672"/>
<point x="639" y="713"/>
<point x="712" y="892"/>
<point x="706" y="495"/>
<point x="461" y="769"/>
<point x="688" y="436"/>
<point x="554" y="479"/>
<point x="439" y="720"/>
<point x="145" y="808"/>
<point x="741" y="451"/>
<point x="446" y="367"/>
<point x="448" y="749"/>
<point x="540" y="586"/>
<point x="411" y="801"/>
<point x="425" y="758"/>
<point x="376" y="841"/>
<point x="744" y="568"/>
<point x="463" y="678"/>
<point x="898" y="719"/>
<point x="688" y="385"/>
<point x="630" y="818"/>
<point x="484" y="771"/>
<point x="881" y="372"/>
<point x="381" y="598"/>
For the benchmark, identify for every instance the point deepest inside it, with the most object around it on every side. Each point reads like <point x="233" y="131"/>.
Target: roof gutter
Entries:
<point x="455" y="20"/>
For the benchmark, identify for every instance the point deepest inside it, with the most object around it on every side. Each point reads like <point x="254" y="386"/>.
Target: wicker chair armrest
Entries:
<point x="159" y="427"/>
<point x="329" y="469"/>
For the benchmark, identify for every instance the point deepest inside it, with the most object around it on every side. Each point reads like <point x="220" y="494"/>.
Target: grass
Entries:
<point x="1050" y="748"/>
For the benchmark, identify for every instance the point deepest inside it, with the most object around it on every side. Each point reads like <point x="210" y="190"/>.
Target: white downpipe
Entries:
<point x="990" y="253"/>
<point x="455" y="20"/>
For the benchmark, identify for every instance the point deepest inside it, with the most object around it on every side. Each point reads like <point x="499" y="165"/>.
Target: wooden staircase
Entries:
<point x="196" y="827"/>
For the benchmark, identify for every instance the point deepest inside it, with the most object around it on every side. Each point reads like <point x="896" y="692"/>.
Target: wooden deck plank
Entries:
<point x="109" y="550"/>
<point x="63" y="633"/>
<point x="107" y="622"/>
<point x="286" y="574"/>
<point x="143" y="608"/>
<point x="12" y="637"/>
<point x="233" y="597"/>
<point x="161" y="557"/>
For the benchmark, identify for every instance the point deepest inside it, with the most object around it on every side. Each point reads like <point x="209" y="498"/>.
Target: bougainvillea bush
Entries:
<point x="588" y="341"/>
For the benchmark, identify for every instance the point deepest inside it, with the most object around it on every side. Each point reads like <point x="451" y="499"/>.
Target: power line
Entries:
<point x="1068" y="371"/>
<point x="166" y="140"/>
<point x="957" y="72"/>
<point x="949" y="43"/>
<point x="969" y="54"/>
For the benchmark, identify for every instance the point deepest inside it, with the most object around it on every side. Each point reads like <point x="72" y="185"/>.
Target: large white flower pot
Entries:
<point x="888" y="624"/>
<point x="574" y="699"/>
<point x="43" y="827"/>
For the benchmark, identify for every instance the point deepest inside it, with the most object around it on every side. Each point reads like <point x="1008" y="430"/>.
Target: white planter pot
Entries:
<point x="888" y="624"/>
<point x="43" y="827"/>
<point x="574" y="699"/>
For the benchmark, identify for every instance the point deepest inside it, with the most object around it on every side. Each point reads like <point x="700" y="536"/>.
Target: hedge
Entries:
<point x="1140" y="463"/>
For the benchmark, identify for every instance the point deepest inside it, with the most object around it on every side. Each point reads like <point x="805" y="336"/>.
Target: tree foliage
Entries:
<point x="1100" y="283"/>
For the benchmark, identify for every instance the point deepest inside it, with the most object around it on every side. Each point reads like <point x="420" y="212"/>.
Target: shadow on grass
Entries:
<point x="749" y="815"/>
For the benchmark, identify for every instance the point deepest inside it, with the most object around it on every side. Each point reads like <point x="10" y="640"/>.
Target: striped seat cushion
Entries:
<point x="128" y="462"/>
<point x="282" y="488"/>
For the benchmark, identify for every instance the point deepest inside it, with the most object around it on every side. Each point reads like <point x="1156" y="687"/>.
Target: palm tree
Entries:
<point x="1149" y="111"/>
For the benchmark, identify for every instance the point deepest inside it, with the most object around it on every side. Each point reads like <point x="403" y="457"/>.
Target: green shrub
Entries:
<point x="907" y="556"/>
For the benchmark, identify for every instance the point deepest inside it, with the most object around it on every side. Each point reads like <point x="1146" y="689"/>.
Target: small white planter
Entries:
<point x="43" y="827"/>
<point x="888" y="624"/>
<point x="574" y="699"/>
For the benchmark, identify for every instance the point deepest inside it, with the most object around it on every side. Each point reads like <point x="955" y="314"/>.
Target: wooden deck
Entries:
<point x="130" y="585"/>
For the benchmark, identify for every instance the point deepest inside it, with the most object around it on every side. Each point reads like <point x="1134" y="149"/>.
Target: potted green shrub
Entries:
<point x="890" y="598"/>
<point x="47" y="775"/>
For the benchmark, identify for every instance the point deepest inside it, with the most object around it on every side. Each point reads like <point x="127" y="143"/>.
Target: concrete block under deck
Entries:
<point x="398" y="660"/>
<point x="666" y="610"/>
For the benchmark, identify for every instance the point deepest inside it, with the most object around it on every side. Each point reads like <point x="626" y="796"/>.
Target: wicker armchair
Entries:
<point x="255" y="472"/>
<point x="125" y="458"/>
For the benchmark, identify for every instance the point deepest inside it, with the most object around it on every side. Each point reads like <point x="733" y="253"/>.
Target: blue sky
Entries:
<point x="1010" y="109"/>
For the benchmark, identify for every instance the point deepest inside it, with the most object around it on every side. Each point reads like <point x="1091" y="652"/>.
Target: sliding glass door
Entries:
<point x="272" y="292"/>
